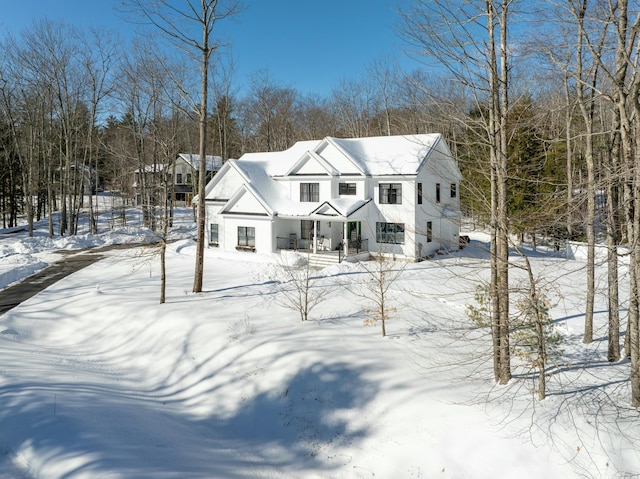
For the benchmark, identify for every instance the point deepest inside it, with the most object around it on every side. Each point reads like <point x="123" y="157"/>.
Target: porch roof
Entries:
<point x="337" y="209"/>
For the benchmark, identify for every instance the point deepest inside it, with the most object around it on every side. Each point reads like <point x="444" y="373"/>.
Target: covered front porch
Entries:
<point x="337" y="238"/>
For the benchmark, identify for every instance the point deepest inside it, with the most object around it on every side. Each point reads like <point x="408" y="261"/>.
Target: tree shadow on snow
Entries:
<point x="83" y="429"/>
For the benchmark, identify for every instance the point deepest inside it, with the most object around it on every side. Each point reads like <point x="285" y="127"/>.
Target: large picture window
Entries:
<point x="347" y="189"/>
<point x="390" y="194"/>
<point x="213" y="234"/>
<point x="246" y="236"/>
<point x="309" y="192"/>
<point x="392" y="233"/>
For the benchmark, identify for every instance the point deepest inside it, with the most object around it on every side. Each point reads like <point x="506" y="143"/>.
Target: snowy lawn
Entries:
<point x="99" y="380"/>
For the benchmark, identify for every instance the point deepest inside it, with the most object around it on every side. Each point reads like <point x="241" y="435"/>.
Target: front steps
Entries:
<point x="322" y="260"/>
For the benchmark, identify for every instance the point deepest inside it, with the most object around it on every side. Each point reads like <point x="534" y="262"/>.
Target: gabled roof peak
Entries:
<point x="388" y="155"/>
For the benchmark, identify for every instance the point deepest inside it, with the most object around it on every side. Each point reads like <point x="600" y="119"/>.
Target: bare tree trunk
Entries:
<point x="202" y="176"/>
<point x="502" y="246"/>
<point x="613" y="349"/>
<point x="585" y="103"/>
<point x="494" y="152"/>
<point x="569" y="143"/>
<point x="634" y="267"/>
<point x="163" y="246"/>
<point x="170" y="19"/>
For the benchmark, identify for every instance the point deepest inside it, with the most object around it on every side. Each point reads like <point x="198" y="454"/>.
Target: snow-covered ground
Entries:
<point x="97" y="379"/>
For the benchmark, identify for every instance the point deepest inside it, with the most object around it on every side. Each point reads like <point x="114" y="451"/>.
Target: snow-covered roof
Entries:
<point x="374" y="156"/>
<point x="214" y="163"/>
<point x="157" y="168"/>
<point x="388" y="155"/>
<point x="277" y="163"/>
<point x="340" y="207"/>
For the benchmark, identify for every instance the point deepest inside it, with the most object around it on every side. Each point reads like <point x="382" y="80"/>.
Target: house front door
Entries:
<point x="353" y="233"/>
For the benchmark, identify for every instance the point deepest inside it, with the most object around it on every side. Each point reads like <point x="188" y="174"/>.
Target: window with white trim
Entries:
<point x="347" y="189"/>
<point x="390" y="193"/>
<point x="391" y="233"/>
<point x="246" y="237"/>
<point x="213" y="234"/>
<point x="309" y="192"/>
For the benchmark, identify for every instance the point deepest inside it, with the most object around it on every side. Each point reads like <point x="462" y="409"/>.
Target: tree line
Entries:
<point x="540" y="104"/>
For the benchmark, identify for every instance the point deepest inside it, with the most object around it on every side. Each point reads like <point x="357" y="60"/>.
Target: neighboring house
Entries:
<point x="87" y="176"/>
<point x="397" y="195"/>
<point x="184" y="172"/>
<point x="182" y="175"/>
<point x="152" y="178"/>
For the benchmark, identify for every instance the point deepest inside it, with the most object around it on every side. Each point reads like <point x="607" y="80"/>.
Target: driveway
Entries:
<point x="71" y="262"/>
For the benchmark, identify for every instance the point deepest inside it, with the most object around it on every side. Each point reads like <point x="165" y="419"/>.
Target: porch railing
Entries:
<point x="292" y="243"/>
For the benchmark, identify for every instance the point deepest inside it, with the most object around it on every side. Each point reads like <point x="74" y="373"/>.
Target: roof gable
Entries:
<point x="343" y="207"/>
<point x="226" y="182"/>
<point x="246" y="201"/>
<point x="310" y="163"/>
<point x="338" y="158"/>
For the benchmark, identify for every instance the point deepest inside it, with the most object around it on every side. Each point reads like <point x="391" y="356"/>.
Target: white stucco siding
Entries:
<point x="361" y="188"/>
<point x="247" y="203"/>
<point x="399" y="212"/>
<point x="403" y="213"/>
<point x="212" y="210"/>
<point x="226" y="185"/>
<point x="450" y="233"/>
<point x="324" y="185"/>
<point x="262" y="229"/>
<point x="445" y="229"/>
<point x="311" y="167"/>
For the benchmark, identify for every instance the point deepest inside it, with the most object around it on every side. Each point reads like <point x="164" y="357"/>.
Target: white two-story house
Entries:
<point x="395" y="195"/>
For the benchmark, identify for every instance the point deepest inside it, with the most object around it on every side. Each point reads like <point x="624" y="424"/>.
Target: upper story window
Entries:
<point x="454" y="190"/>
<point x="390" y="194"/>
<point x="178" y="178"/>
<point x="309" y="192"/>
<point x="347" y="189"/>
<point x="188" y="178"/>
<point x="438" y="193"/>
<point x="419" y="193"/>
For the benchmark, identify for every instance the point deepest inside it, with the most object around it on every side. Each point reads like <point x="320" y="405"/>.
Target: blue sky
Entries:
<point x="309" y="45"/>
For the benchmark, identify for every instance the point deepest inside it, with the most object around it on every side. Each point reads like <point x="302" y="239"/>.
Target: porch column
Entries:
<point x="315" y="239"/>
<point x="345" y="240"/>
